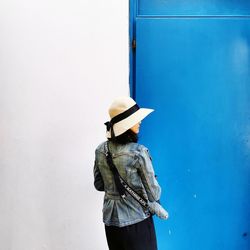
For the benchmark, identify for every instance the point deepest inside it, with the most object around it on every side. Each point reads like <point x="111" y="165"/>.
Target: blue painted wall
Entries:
<point x="195" y="72"/>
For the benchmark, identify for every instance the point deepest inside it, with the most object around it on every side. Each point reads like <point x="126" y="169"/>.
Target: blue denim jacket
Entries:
<point x="134" y="164"/>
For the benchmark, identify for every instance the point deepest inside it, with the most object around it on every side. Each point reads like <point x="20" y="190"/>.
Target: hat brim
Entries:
<point x="124" y="125"/>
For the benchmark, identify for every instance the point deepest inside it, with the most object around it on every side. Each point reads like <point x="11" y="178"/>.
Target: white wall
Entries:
<point x="61" y="64"/>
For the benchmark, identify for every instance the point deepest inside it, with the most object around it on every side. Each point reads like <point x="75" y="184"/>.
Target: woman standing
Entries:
<point x="128" y="225"/>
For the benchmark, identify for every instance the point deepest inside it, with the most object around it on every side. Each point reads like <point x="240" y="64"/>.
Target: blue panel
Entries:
<point x="196" y="74"/>
<point x="194" y="7"/>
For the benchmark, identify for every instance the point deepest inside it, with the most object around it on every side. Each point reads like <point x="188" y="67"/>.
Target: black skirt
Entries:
<point x="139" y="236"/>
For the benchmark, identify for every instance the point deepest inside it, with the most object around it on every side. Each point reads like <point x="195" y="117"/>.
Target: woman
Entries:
<point x="128" y="225"/>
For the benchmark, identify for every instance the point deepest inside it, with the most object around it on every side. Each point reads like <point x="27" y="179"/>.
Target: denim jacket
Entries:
<point x="134" y="164"/>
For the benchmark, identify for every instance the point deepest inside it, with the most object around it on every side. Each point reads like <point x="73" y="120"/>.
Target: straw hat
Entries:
<point x="124" y="114"/>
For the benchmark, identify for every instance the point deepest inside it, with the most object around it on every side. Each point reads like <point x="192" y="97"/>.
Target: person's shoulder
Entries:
<point x="143" y="152"/>
<point x="100" y="147"/>
<point x="137" y="147"/>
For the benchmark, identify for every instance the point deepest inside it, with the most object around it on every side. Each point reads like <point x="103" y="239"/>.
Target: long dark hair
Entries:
<point x="126" y="137"/>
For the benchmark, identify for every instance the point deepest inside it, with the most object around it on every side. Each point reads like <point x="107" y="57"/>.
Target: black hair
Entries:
<point x="126" y="137"/>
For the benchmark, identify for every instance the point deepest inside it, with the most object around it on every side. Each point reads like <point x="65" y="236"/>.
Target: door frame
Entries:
<point x="132" y="47"/>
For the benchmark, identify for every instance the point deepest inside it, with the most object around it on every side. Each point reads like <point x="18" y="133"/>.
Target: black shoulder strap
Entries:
<point x="120" y="183"/>
<point x="114" y="170"/>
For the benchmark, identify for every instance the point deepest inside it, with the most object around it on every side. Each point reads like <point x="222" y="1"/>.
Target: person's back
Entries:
<point x="133" y="163"/>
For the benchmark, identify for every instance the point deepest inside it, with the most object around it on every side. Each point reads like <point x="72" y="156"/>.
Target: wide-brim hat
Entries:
<point x="124" y="114"/>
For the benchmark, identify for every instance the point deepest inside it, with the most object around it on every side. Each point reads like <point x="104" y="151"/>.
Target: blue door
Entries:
<point x="192" y="65"/>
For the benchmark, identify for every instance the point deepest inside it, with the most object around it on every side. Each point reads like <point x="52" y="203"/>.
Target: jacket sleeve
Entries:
<point x="98" y="181"/>
<point x="147" y="175"/>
